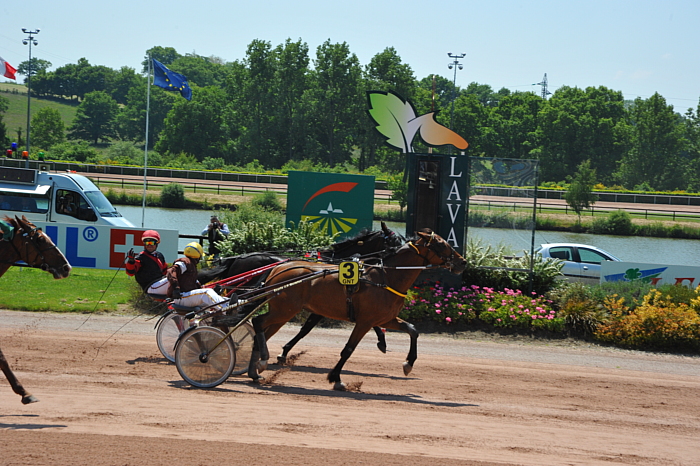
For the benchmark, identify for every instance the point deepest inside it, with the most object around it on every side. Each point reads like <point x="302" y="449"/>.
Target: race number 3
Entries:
<point x="349" y="273"/>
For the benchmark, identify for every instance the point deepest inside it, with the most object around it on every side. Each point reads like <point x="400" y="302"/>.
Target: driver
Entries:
<point x="148" y="266"/>
<point x="185" y="289"/>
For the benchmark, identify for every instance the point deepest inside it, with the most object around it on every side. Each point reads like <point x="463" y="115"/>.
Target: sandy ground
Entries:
<point x="107" y="397"/>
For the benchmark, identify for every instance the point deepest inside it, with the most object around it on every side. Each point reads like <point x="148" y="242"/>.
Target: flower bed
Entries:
<point x="474" y="304"/>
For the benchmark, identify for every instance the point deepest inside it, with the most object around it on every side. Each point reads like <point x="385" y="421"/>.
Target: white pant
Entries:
<point x="160" y="287"/>
<point x="202" y="297"/>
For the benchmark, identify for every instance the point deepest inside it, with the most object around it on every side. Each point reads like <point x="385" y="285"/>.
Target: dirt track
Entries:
<point x="113" y="400"/>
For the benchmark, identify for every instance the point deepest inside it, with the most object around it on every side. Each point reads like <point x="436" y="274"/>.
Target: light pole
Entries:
<point x="455" y="64"/>
<point x="29" y="41"/>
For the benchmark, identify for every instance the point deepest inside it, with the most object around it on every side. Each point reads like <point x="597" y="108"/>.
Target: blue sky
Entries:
<point x="635" y="46"/>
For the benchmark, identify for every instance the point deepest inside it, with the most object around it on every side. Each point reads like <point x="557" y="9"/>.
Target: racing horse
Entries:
<point x="370" y="245"/>
<point x="32" y="246"/>
<point x="377" y="301"/>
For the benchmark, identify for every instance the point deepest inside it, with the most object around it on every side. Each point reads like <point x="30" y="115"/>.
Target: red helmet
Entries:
<point x="150" y="234"/>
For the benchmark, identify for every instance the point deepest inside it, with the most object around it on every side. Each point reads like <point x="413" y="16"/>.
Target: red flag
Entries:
<point x="7" y="70"/>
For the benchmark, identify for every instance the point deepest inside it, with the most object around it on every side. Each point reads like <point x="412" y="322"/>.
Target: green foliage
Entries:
<point x="172" y="195"/>
<point x="95" y="118"/>
<point x="618" y="222"/>
<point x="399" y="189"/>
<point x="255" y="236"/>
<point x="580" y="195"/>
<point x="657" y="323"/>
<point x="268" y="201"/>
<point x="478" y="257"/>
<point x="126" y="153"/>
<point x="582" y="310"/>
<point x="47" y="128"/>
<point x="75" y="150"/>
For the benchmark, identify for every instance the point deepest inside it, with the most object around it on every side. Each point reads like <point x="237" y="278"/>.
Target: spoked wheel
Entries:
<point x="243" y="339"/>
<point x="198" y="363"/>
<point x="168" y="331"/>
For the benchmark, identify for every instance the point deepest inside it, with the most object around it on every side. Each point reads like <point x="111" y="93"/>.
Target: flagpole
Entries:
<point x="145" y="155"/>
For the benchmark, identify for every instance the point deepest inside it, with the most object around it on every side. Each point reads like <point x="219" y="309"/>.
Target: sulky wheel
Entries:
<point x="243" y="339"/>
<point x="199" y="364"/>
<point x="167" y="333"/>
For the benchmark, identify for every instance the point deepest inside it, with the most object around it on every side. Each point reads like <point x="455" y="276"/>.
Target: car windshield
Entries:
<point x="103" y="206"/>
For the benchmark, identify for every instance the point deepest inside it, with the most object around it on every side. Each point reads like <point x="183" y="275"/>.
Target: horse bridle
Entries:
<point x="31" y="238"/>
<point x="447" y="261"/>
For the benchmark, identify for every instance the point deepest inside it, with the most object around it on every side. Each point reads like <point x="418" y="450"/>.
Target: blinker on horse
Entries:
<point x="377" y="302"/>
<point x="32" y="246"/>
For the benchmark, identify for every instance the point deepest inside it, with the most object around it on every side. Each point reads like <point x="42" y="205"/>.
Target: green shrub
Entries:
<point x="582" y="311"/>
<point x="654" y="324"/>
<point x="172" y="195"/>
<point x="268" y="200"/>
<point x="618" y="222"/>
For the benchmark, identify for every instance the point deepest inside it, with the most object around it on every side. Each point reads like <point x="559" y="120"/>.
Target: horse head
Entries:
<point x="367" y="243"/>
<point x="36" y="249"/>
<point x="439" y="251"/>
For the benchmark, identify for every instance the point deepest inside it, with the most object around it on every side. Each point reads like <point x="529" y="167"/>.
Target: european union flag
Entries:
<point x="170" y="80"/>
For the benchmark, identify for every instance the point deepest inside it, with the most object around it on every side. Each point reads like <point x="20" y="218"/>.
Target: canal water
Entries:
<point x="628" y="248"/>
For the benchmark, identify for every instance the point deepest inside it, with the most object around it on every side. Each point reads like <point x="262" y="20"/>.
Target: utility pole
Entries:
<point x="29" y="41"/>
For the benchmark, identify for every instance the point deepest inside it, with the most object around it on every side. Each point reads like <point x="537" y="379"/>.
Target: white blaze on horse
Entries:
<point x="28" y="246"/>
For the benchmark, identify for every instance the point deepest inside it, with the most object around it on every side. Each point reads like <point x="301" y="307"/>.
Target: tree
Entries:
<point x="337" y="101"/>
<point x="577" y="125"/>
<point x="47" y="128"/>
<point x="657" y="143"/>
<point x="38" y="66"/>
<point x="580" y="195"/>
<point x="4" y="140"/>
<point x="165" y="55"/>
<point x="95" y="118"/>
<point x="196" y="127"/>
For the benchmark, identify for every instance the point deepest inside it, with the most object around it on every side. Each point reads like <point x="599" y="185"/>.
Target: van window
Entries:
<point x="74" y="204"/>
<point x="23" y="203"/>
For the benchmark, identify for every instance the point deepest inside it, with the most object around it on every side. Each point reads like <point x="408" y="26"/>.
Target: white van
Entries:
<point x="55" y="198"/>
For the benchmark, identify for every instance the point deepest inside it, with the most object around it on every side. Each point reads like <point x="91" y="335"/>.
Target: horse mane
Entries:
<point x="362" y="235"/>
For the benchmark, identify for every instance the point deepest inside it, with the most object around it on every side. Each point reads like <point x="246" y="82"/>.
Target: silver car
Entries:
<point x="581" y="261"/>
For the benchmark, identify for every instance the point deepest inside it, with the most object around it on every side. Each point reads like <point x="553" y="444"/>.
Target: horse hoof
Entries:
<point x="281" y="360"/>
<point x="382" y="347"/>
<point x="26" y="399"/>
<point x="340" y="386"/>
<point x="262" y="365"/>
<point x="407" y="368"/>
<point x="258" y="380"/>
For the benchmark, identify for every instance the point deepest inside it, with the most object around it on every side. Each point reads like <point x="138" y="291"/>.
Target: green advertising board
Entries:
<point x="336" y="203"/>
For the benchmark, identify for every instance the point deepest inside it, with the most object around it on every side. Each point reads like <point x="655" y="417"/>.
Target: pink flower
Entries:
<point x="448" y="319"/>
<point x="534" y="316"/>
<point x="438" y="311"/>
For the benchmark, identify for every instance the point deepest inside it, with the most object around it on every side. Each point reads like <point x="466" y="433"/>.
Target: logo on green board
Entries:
<point x="335" y="203"/>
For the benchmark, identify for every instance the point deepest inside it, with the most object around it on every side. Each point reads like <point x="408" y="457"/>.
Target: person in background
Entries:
<point x="185" y="289"/>
<point x="149" y="266"/>
<point x="215" y="231"/>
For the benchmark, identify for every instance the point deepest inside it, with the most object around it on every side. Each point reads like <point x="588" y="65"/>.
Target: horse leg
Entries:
<point x="398" y="324"/>
<point x="381" y="339"/>
<point x="16" y="386"/>
<point x="259" y="349"/>
<point x="310" y="323"/>
<point x="334" y="375"/>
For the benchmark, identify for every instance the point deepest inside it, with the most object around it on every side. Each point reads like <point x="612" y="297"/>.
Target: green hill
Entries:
<point x="16" y="115"/>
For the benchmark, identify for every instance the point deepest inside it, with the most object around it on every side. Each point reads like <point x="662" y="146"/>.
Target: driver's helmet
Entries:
<point x="150" y="234"/>
<point x="194" y="250"/>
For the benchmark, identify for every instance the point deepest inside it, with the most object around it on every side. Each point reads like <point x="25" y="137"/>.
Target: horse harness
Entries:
<point x="30" y="237"/>
<point x="350" y="289"/>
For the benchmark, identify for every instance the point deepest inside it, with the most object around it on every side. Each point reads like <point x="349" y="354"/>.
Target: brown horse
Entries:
<point x="377" y="301"/>
<point x="29" y="245"/>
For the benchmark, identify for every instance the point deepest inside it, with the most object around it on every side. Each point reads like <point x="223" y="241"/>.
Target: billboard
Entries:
<point x="103" y="247"/>
<point x="335" y="203"/>
<point x="652" y="273"/>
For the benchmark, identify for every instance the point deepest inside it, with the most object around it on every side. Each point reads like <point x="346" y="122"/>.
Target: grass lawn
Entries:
<point x="27" y="289"/>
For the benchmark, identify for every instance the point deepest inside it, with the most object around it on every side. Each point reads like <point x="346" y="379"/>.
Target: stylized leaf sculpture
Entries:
<point x="396" y="120"/>
<point x="392" y="115"/>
